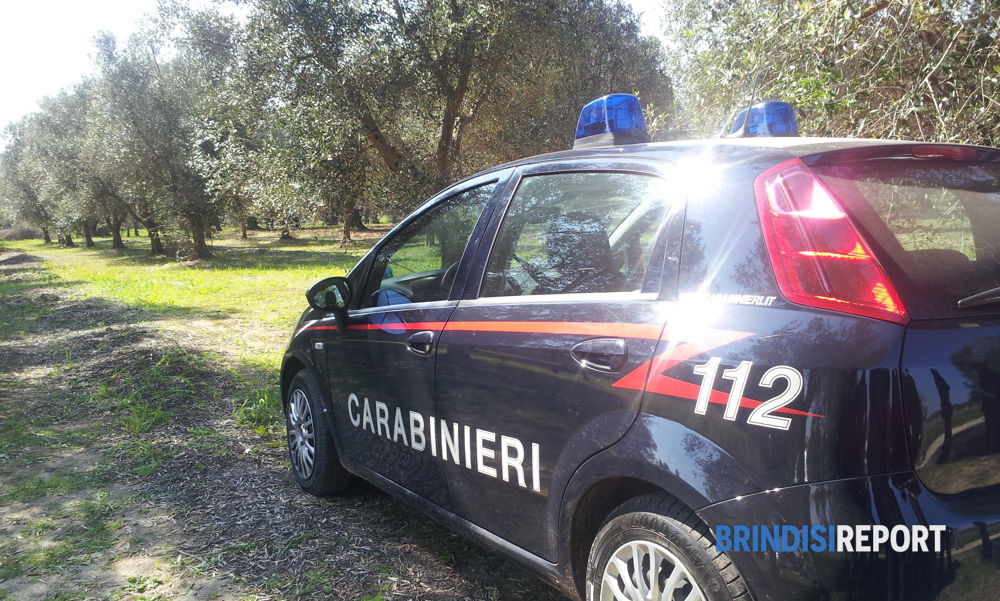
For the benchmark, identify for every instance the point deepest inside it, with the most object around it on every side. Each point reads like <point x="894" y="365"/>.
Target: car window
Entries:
<point x="577" y="232"/>
<point x="419" y="263"/>
<point x="936" y="221"/>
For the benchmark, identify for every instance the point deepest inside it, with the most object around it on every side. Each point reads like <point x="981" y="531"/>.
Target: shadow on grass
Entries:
<point x="307" y="251"/>
<point x="29" y="294"/>
<point x="166" y="414"/>
<point x="21" y="288"/>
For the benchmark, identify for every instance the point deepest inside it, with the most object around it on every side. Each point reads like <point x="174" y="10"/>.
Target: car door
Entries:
<point x="535" y="369"/>
<point x="381" y="366"/>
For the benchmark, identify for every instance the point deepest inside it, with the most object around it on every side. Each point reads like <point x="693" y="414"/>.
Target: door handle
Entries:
<point x="601" y="354"/>
<point x="421" y="343"/>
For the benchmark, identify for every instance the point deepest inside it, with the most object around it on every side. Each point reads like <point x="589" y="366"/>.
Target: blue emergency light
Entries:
<point x="611" y="120"/>
<point x="765" y="119"/>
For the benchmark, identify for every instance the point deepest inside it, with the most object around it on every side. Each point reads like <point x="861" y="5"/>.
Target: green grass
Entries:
<point x="211" y="441"/>
<point x="21" y="314"/>
<point x="245" y="298"/>
<point x="20" y="434"/>
<point x="259" y="410"/>
<point x="79" y="530"/>
<point x="239" y="306"/>
<point x="208" y="337"/>
<point x="32" y="489"/>
<point x="143" y="457"/>
<point x="257" y="280"/>
<point x="312" y="582"/>
<point x="142" y="418"/>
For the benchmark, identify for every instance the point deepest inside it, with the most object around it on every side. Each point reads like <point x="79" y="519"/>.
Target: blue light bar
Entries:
<point x="766" y="119"/>
<point x="611" y="120"/>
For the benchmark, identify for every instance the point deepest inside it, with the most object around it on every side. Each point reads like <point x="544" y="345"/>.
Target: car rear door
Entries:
<point x="542" y="363"/>
<point x="381" y="366"/>
<point x="931" y="214"/>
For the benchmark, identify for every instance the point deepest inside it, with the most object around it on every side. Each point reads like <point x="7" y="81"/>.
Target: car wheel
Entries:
<point x="655" y="548"/>
<point x="310" y="442"/>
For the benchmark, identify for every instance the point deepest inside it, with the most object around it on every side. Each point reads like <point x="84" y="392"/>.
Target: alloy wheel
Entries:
<point x="645" y="571"/>
<point x="301" y="434"/>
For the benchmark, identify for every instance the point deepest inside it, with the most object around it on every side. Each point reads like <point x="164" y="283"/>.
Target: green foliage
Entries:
<point x="889" y="69"/>
<point x="260" y="410"/>
<point x="142" y="418"/>
<point x="305" y="110"/>
<point x="313" y="110"/>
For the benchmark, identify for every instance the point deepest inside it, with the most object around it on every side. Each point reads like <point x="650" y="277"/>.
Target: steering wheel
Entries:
<point x="391" y="294"/>
<point x="448" y="277"/>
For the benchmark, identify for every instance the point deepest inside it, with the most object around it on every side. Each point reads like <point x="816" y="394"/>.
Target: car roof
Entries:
<point x="727" y="150"/>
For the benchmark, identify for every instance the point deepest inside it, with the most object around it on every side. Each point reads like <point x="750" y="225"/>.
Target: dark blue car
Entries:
<point x="675" y="370"/>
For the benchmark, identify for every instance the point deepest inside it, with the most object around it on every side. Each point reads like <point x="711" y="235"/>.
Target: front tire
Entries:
<point x="653" y="548"/>
<point x="314" y="457"/>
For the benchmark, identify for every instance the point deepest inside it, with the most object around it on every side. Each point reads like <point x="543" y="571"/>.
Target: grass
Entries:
<point x="258" y="410"/>
<point x="258" y="280"/>
<point x="154" y="378"/>
<point x="18" y="434"/>
<point x="243" y="301"/>
<point x="32" y="489"/>
<point x="21" y="314"/>
<point x="311" y="582"/>
<point x="246" y="297"/>
<point x="79" y="531"/>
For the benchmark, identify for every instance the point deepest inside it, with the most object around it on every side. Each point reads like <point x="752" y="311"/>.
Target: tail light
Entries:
<point x="819" y="259"/>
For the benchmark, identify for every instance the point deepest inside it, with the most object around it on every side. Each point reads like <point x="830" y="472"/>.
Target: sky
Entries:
<point x="650" y="13"/>
<point x="47" y="45"/>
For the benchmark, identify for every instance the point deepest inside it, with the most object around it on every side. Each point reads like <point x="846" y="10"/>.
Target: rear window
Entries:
<point x="934" y="225"/>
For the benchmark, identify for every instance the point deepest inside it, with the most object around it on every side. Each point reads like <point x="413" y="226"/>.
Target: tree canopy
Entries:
<point x="319" y="110"/>
<point x="313" y="109"/>
<point x="896" y="69"/>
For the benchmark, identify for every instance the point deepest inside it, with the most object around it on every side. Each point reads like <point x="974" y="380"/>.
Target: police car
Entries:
<point x="602" y="361"/>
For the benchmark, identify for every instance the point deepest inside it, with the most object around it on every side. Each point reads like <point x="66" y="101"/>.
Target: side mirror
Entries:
<point x="330" y="294"/>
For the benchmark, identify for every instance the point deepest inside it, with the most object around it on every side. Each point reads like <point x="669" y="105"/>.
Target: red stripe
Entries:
<point x="649" y="375"/>
<point x="686" y="390"/>
<point x="568" y="328"/>
<point x="659" y="383"/>
<point x="436" y="326"/>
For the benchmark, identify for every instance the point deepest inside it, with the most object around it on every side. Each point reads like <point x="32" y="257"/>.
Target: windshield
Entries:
<point x="934" y="224"/>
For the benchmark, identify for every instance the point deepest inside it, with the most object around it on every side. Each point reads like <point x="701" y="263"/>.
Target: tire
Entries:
<point x="315" y="463"/>
<point x="661" y="527"/>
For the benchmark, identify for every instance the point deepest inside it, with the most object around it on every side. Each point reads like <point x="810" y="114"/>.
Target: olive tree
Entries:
<point x="153" y="122"/>
<point x="21" y="182"/>
<point x="891" y="69"/>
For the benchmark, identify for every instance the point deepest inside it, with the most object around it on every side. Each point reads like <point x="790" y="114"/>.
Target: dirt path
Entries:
<point x="124" y="476"/>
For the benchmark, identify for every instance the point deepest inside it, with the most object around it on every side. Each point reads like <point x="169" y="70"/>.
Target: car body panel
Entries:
<point x="951" y="387"/>
<point x="841" y="450"/>
<point x="527" y="385"/>
<point x="966" y="568"/>
<point x="387" y="382"/>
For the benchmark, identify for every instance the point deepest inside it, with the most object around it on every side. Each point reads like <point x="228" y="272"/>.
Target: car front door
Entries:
<point x="381" y="365"/>
<point x="536" y="367"/>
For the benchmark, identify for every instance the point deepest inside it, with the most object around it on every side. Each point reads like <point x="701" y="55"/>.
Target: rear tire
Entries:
<point x="654" y="547"/>
<point x="314" y="458"/>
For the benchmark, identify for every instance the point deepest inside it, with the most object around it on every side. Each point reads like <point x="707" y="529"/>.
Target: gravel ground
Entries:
<point x="195" y="506"/>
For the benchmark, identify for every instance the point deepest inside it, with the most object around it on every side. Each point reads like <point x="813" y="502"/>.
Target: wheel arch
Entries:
<point x="590" y="513"/>
<point x="294" y="361"/>
<point x="289" y="367"/>
<point x="650" y="458"/>
<point x="601" y="486"/>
